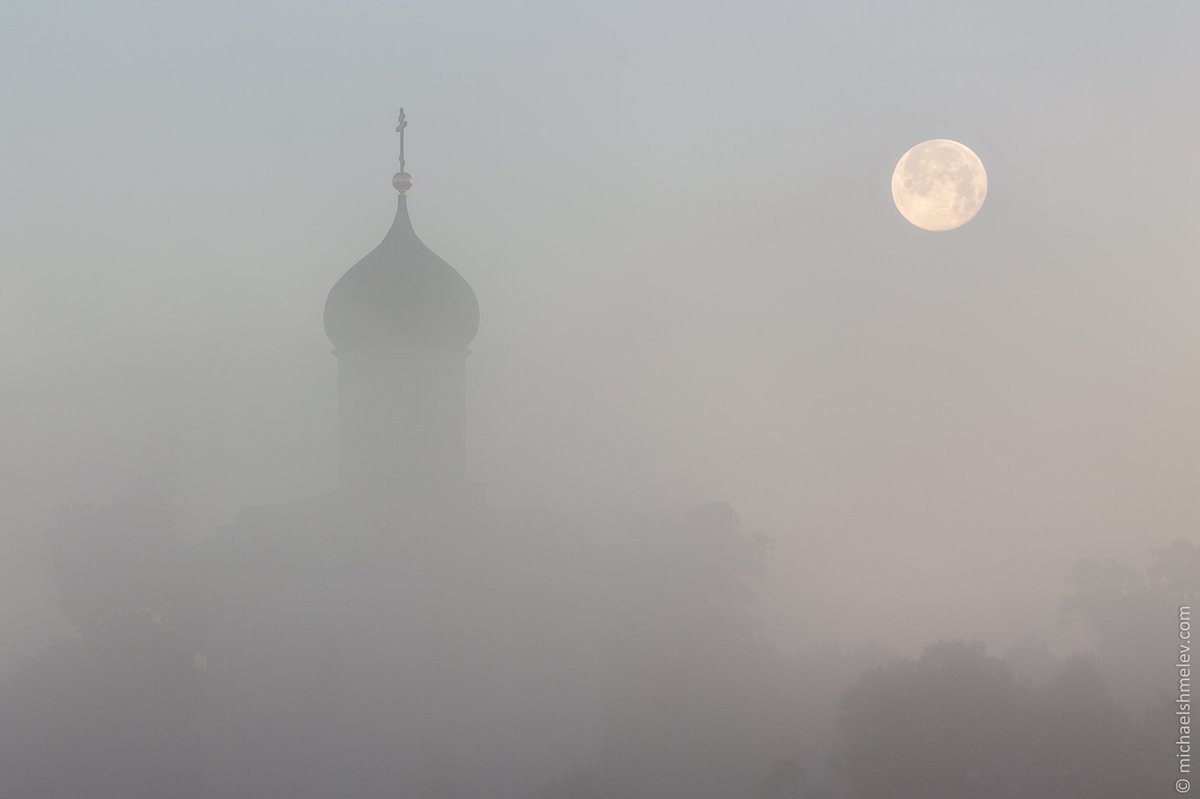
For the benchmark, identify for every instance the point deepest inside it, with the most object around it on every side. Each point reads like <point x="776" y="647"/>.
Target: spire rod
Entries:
<point x="402" y="124"/>
<point x="402" y="181"/>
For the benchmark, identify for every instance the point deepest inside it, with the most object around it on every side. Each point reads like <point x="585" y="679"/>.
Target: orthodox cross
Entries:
<point x="402" y="124"/>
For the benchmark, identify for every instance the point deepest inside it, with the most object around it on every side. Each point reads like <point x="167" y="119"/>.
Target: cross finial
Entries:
<point x="402" y="123"/>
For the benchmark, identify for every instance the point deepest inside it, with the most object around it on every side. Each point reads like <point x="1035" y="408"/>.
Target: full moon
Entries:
<point x="939" y="185"/>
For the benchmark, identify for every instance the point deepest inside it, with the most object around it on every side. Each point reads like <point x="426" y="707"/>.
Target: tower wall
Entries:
<point x="403" y="420"/>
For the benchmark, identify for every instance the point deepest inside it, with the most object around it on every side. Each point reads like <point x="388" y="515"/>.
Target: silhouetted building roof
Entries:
<point x="401" y="293"/>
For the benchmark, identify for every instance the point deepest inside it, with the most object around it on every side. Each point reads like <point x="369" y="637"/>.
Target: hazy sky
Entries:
<point x="694" y="285"/>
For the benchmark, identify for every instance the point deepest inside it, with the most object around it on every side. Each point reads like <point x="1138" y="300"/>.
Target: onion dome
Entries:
<point x="401" y="293"/>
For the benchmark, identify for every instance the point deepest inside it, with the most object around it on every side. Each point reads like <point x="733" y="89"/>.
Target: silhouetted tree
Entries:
<point x="1133" y="614"/>
<point x="957" y="723"/>
<point x="1079" y="741"/>
<point x="946" y="725"/>
<point x="114" y="713"/>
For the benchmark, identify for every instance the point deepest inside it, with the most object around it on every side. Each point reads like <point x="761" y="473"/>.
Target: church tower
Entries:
<point x="401" y="320"/>
<point x="399" y="637"/>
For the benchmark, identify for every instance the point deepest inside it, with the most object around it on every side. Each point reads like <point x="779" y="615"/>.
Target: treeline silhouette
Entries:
<point x="696" y="703"/>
